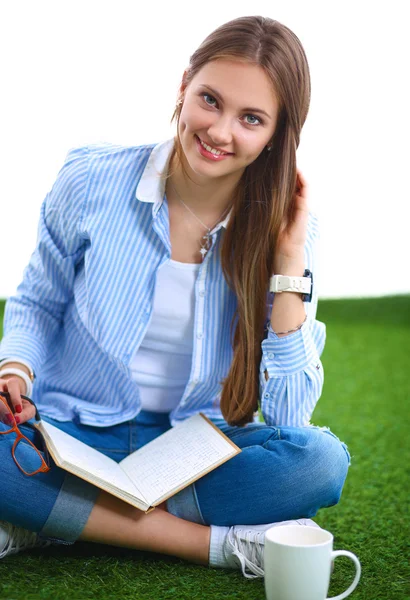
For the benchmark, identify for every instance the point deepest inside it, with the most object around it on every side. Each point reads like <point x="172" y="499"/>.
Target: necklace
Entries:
<point x="207" y="237"/>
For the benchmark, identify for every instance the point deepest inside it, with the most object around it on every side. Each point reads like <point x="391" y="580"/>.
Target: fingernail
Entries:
<point x="9" y="419"/>
<point x="19" y="408"/>
<point x="17" y="419"/>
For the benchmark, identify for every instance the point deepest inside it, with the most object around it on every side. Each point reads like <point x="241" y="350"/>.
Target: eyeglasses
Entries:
<point x="26" y="456"/>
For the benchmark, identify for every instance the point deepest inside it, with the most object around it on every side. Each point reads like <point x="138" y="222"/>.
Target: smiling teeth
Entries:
<point x="212" y="150"/>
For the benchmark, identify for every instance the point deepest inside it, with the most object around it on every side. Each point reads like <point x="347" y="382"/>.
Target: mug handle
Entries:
<point x="354" y="558"/>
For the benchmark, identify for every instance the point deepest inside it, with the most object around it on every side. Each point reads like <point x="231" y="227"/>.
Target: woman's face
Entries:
<point x="229" y="106"/>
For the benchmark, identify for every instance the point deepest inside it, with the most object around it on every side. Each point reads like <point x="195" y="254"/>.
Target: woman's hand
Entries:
<point x="292" y="238"/>
<point x="14" y="385"/>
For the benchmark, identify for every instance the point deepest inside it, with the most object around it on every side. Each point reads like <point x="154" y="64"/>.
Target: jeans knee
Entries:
<point x="334" y="459"/>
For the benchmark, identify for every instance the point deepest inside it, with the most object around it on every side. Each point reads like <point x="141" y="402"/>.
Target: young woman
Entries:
<point x="148" y="299"/>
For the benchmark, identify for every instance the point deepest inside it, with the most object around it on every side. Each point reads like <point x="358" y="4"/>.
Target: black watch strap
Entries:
<point x="308" y="297"/>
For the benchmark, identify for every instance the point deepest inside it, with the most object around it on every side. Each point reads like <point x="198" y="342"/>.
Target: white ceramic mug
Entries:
<point x="298" y="563"/>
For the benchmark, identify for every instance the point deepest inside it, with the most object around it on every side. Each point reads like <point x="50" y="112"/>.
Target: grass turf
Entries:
<point x="364" y="402"/>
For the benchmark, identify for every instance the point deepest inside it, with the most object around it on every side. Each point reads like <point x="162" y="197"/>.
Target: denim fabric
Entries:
<point x="282" y="473"/>
<point x="57" y="504"/>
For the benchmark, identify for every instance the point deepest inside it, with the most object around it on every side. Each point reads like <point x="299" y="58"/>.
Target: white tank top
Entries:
<point x="162" y="364"/>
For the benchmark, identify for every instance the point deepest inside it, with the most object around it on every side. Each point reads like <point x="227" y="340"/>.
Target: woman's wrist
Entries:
<point x="24" y="382"/>
<point x="9" y="370"/>
<point x="16" y="362"/>
<point x="288" y="313"/>
<point x="14" y="365"/>
<point x="291" y="267"/>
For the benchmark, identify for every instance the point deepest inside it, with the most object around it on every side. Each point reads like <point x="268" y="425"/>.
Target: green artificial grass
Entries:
<point x="365" y="402"/>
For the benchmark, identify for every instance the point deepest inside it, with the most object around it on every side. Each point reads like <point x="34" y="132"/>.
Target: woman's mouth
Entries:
<point x="210" y="152"/>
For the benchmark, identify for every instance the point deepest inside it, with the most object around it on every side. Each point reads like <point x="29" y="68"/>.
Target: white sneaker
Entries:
<point x="13" y="539"/>
<point x="245" y="544"/>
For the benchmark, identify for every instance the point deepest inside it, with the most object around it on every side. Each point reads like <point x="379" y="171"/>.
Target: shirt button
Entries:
<point x="195" y="381"/>
<point x="202" y="293"/>
<point x="199" y="336"/>
<point x="267" y="395"/>
<point x="271" y="355"/>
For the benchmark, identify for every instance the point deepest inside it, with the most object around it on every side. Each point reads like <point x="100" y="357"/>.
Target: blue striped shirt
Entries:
<point x="86" y="299"/>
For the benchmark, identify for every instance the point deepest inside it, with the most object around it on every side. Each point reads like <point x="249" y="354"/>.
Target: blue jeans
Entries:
<point x="282" y="473"/>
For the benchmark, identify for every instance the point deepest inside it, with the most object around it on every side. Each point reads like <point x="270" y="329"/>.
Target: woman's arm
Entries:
<point x="288" y="311"/>
<point x="35" y="313"/>
<point x="291" y="373"/>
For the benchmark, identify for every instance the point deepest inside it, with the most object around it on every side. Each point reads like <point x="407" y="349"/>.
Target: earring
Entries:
<point x="269" y="148"/>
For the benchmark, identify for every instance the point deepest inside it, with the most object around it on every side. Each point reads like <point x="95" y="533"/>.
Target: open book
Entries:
<point x="155" y="472"/>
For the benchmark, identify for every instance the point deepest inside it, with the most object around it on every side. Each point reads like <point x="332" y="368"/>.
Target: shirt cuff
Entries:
<point x="289" y="354"/>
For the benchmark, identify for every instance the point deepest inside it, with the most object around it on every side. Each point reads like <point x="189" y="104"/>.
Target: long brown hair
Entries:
<point x="263" y="202"/>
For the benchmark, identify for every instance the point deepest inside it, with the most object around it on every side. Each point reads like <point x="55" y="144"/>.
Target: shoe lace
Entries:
<point x="248" y="548"/>
<point x="20" y="539"/>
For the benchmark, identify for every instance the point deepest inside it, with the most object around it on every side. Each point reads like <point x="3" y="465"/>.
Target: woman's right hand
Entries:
<point x="15" y="386"/>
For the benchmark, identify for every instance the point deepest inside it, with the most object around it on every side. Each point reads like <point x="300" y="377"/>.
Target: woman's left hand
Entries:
<point x="292" y="238"/>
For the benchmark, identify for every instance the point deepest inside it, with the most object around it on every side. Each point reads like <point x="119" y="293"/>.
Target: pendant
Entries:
<point x="207" y="239"/>
<point x="204" y="249"/>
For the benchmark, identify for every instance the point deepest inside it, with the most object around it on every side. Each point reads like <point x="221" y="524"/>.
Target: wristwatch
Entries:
<point x="301" y="285"/>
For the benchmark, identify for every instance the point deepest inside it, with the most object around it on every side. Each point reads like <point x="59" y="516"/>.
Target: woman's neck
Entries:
<point x="207" y="198"/>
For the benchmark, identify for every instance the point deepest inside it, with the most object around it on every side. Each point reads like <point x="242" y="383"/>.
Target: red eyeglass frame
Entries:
<point x="5" y="398"/>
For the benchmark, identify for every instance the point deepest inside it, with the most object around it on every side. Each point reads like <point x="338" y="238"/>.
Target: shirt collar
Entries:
<point x="151" y="186"/>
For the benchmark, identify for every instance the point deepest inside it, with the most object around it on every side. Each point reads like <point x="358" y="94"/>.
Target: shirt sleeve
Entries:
<point x="292" y="363"/>
<point x="34" y="314"/>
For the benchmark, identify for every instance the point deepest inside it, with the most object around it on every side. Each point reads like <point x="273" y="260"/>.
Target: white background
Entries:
<point x="86" y="71"/>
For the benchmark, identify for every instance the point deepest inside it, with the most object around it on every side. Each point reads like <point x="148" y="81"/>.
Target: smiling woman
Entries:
<point x="217" y="124"/>
<point x="148" y="299"/>
<point x="220" y="126"/>
<point x="242" y="102"/>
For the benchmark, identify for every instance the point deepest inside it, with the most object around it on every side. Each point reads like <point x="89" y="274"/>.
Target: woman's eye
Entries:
<point x="254" y="120"/>
<point x="211" y="101"/>
<point x="206" y="96"/>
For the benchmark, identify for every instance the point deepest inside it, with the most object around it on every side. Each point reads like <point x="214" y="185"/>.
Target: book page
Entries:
<point x="179" y="455"/>
<point x="75" y="453"/>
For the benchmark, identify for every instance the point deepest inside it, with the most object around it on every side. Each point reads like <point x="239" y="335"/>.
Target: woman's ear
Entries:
<point x="184" y="82"/>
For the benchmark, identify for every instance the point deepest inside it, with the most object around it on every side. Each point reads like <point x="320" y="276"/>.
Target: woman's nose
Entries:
<point x="220" y="132"/>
